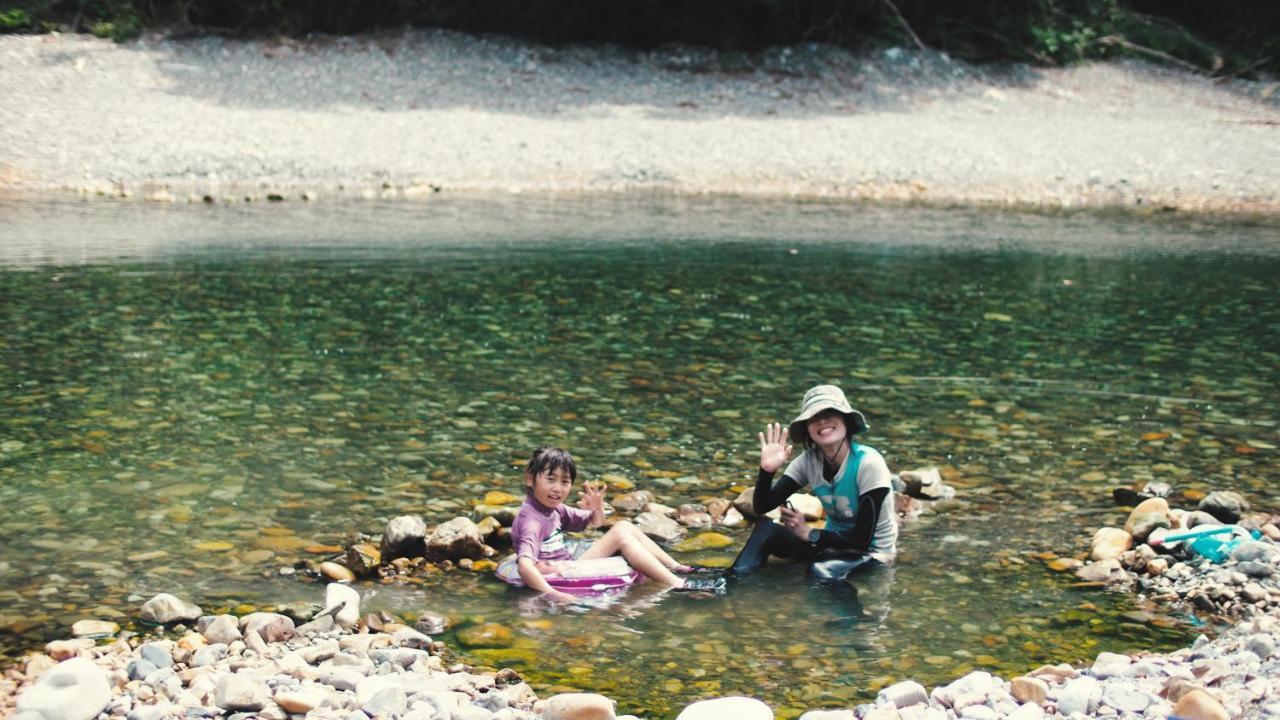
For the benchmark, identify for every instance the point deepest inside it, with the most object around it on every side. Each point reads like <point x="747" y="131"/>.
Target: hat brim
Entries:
<point x="854" y="420"/>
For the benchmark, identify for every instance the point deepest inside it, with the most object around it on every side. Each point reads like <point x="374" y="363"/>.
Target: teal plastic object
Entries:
<point x="1217" y="549"/>
<point x="1193" y="534"/>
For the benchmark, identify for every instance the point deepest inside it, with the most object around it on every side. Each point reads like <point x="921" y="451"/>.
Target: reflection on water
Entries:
<point x="196" y="396"/>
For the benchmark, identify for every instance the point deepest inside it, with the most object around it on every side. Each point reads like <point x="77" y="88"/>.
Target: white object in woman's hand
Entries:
<point x="774" y="448"/>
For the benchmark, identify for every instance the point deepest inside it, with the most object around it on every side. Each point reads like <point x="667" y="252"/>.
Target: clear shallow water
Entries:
<point x="271" y="377"/>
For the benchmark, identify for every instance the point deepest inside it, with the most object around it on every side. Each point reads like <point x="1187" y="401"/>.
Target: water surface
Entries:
<point x="193" y="395"/>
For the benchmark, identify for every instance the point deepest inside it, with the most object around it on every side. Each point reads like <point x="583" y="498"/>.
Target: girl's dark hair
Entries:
<point x="551" y="459"/>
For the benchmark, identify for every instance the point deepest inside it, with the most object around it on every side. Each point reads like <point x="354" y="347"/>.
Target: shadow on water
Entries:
<point x="196" y="398"/>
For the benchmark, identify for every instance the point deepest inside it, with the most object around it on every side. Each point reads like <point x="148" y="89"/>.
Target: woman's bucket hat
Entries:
<point x="825" y="397"/>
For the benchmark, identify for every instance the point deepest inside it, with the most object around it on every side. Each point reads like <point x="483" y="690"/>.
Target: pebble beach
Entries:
<point x="413" y="113"/>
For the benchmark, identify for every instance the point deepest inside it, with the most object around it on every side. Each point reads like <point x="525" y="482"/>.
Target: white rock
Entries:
<point x="829" y="715"/>
<point x="1026" y="711"/>
<point x="1081" y="695"/>
<point x="1125" y="698"/>
<point x="737" y="708"/>
<point x="76" y="689"/>
<point x="410" y="638"/>
<point x="165" y="608"/>
<point x="240" y="692"/>
<point x="337" y="593"/>
<point x="389" y="702"/>
<point x="578" y="706"/>
<point x="903" y="694"/>
<point x="222" y="629"/>
<point x="302" y="700"/>
<point x="978" y="712"/>
<point x="471" y="712"/>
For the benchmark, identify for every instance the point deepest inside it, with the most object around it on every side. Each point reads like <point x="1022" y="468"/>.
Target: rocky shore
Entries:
<point x="340" y="664"/>
<point x="411" y="114"/>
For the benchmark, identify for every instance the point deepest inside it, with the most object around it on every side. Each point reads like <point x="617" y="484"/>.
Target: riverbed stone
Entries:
<point x="139" y="669"/>
<point x="1125" y="698"/>
<point x="1225" y="505"/>
<point x="61" y="650"/>
<point x="902" y="694"/>
<point x="1257" y="551"/>
<point x="1100" y="571"/>
<point x="1109" y="543"/>
<point x="1026" y="711"/>
<point x="76" y="689"/>
<point x="271" y="627"/>
<point x="301" y="700"/>
<point x="738" y="708"/>
<point x="486" y="635"/>
<point x="336" y="572"/>
<point x="1200" y="705"/>
<point x="404" y="536"/>
<point x="94" y="628"/>
<point x="362" y="559"/>
<point x="157" y="653"/>
<point x="459" y="538"/>
<point x="166" y="609"/>
<point x="833" y="715"/>
<point x="388" y="702"/>
<point x="339" y="594"/>
<point x="1027" y="689"/>
<point x="634" y="501"/>
<point x="659" y="527"/>
<point x="209" y="655"/>
<point x="578" y="706"/>
<point x="1197" y="518"/>
<point x="241" y="692"/>
<point x="222" y="629"/>
<point x="1080" y="695"/>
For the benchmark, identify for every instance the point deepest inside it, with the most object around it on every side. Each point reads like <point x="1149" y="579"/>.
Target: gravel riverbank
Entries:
<point x="404" y="114"/>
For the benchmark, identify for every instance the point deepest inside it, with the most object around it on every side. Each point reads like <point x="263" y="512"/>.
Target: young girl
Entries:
<point x="538" y="533"/>
<point x="851" y="480"/>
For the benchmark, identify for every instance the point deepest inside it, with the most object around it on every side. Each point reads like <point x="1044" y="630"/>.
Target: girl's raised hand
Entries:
<point x="774" y="448"/>
<point x="592" y="496"/>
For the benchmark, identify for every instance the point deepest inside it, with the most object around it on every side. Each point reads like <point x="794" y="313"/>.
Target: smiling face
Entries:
<point x="827" y="428"/>
<point x="550" y="487"/>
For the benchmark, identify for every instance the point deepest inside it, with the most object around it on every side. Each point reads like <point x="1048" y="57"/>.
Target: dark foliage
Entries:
<point x="1230" y="36"/>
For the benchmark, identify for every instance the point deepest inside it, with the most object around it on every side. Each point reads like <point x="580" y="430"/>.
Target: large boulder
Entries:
<point x="1225" y="505"/>
<point x="404" y="536"/>
<point x="165" y="609"/>
<point x="459" y="538"/>
<point x="76" y="689"/>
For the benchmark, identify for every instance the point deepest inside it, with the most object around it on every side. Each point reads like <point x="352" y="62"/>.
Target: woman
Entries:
<point x="850" y="479"/>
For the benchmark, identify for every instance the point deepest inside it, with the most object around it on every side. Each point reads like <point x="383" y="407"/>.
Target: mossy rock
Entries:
<point x="486" y="635"/>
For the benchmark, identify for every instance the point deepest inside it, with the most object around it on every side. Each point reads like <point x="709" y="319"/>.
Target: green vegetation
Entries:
<point x="1237" y="37"/>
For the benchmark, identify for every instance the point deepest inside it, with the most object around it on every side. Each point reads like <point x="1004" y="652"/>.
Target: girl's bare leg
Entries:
<point x="621" y="539"/>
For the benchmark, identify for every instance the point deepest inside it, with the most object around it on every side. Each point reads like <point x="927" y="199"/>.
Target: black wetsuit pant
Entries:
<point x="770" y="538"/>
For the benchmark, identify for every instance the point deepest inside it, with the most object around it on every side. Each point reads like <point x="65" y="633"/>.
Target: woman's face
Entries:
<point x="827" y="428"/>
